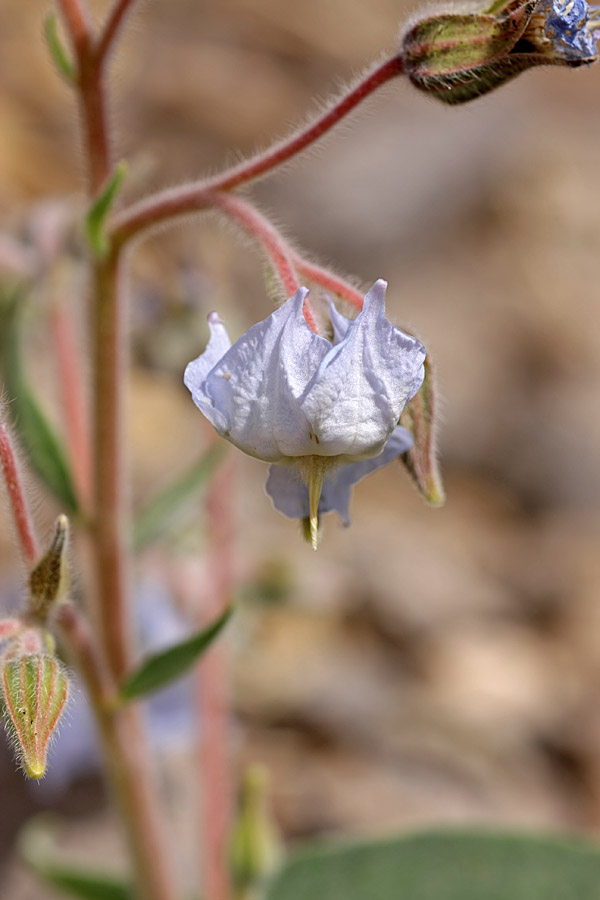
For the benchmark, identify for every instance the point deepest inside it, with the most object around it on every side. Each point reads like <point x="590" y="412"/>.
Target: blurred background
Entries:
<point x="425" y="666"/>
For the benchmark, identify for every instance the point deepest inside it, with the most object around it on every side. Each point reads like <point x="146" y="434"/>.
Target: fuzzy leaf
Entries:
<point x="445" y="865"/>
<point x="95" y="219"/>
<point x="160" y="669"/>
<point x="58" y="52"/>
<point x="151" y="521"/>
<point x="36" y="434"/>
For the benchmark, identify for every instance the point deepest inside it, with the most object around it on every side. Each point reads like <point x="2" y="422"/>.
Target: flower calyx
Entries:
<point x="458" y="56"/>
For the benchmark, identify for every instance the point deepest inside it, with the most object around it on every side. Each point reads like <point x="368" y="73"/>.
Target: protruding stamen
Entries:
<point x="315" y="486"/>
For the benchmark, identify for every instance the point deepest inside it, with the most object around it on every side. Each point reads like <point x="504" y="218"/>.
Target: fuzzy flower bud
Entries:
<point x="459" y="56"/>
<point x="35" y="689"/>
<point x="50" y="578"/>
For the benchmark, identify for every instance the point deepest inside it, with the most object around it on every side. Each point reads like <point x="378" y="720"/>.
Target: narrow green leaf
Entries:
<point x="151" y="521"/>
<point x="446" y="865"/>
<point x="58" y="53"/>
<point x="36" y="435"/>
<point x="38" y="852"/>
<point x="159" y="670"/>
<point x="87" y="885"/>
<point x="95" y="219"/>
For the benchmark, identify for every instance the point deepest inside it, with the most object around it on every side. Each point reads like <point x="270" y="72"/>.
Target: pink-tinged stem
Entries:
<point x="263" y="231"/>
<point x="123" y="738"/>
<point x="71" y="383"/>
<point x="77" y="20"/>
<point x="16" y="495"/>
<point x="170" y="204"/>
<point x="212" y="693"/>
<point x="114" y="24"/>
<point x="111" y="504"/>
<point x="328" y="280"/>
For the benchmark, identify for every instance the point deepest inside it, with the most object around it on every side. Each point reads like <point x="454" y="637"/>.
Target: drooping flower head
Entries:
<point x="324" y="411"/>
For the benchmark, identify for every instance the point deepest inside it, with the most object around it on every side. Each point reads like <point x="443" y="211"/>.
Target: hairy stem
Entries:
<point x="73" y="399"/>
<point x="122" y="733"/>
<point x="77" y="20"/>
<point x="170" y="204"/>
<point x="16" y="495"/>
<point x="112" y="27"/>
<point x="111" y="503"/>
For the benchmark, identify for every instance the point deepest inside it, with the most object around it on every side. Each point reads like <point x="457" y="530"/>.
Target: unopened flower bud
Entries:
<point x="35" y="689"/>
<point x="49" y="580"/>
<point x="255" y="849"/>
<point x="458" y="56"/>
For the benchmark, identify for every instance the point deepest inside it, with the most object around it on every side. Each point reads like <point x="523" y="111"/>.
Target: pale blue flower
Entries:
<point x="571" y="26"/>
<point x="288" y="396"/>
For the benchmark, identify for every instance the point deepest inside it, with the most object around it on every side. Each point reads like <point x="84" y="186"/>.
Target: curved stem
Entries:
<point x="170" y="204"/>
<point x="275" y="246"/>
<point x="328" y="280"/>
<point x="258" y="226"/>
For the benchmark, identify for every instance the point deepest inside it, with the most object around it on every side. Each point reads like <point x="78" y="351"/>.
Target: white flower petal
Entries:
<point x="364" y="383"/>
<point x="258" y="384"/>
<point x="197" y="371"/>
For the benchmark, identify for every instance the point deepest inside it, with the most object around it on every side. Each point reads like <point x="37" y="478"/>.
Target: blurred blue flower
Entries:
<point x="571" y="27"/>
<point x="323" y="408"/>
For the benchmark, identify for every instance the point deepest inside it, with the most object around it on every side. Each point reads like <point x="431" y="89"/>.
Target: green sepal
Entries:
<point x="37" y="850"/>
<point x="36" y="435"/>
<point x="35" y="689"/>
<point x="445" y="865"/>
<point x="150" y="522"/>
<point x="419" y="417"/>
<point x="159" y="670"/>
<point x="95" y="219"/>
<point x="59" y="55"/>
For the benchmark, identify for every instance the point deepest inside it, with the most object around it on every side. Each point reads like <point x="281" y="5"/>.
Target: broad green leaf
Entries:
<point x="159" y="670"/>
<point x="36" y="435"/>
<point x="151" y="521"/>
<point x="445" y="865"/>
<point x="37" y="849"/>
<point x="95" y="219"/>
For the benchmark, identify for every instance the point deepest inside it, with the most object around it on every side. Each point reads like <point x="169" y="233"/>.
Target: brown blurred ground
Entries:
<point x="426" y="665"/>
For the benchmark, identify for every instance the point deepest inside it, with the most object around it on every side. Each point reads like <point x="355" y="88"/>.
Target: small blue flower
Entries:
<point x="571" y="27"/>
<point x="325" y="412"/>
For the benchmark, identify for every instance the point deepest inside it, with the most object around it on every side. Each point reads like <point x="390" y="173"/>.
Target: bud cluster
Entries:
<point x="34" y="686"/>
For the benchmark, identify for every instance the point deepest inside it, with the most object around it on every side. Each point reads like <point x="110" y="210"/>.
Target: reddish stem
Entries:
<point x="111" y="501"/>
<point x="189" y="198"/>
<point x="329" y="281"/>
<point x="73" y="399"/>
<point x="16" y="495"/>
<point x="263" y="231"/>
<point x="77" y="20"/>
<point x="112" y="27"/>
